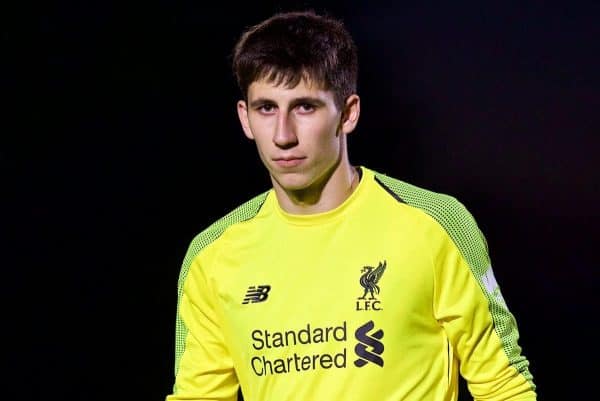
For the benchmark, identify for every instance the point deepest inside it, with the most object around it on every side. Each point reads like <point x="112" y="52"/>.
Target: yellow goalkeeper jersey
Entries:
<point x="390" y="296"/>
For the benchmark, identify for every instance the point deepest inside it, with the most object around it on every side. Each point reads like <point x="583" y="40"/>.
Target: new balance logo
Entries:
<point x="368" y="340"/>
<point x="258" y="293"/>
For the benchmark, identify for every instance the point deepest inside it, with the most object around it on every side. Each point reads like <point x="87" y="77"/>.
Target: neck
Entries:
<point x="326" y="194"/>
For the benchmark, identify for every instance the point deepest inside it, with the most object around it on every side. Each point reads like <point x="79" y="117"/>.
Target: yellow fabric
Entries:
<point x="317" y="332"/>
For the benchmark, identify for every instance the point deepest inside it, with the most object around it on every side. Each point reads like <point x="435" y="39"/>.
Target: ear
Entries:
<point x="350" y="114"/>
<point x="242" y="110"/>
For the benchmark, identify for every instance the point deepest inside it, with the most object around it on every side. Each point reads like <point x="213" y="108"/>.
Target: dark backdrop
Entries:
<point x="121" y="142"/>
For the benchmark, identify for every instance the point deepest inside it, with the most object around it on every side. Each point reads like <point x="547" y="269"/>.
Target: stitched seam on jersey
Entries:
<point x="389" y="190"/>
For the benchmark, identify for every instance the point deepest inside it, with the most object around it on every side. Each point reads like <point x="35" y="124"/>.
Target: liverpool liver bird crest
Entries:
<point x="370" y="277"/>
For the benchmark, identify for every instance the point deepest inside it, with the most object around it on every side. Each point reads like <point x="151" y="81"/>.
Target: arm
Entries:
<point x="469" y="306"/>
<point x="203" y="368"/>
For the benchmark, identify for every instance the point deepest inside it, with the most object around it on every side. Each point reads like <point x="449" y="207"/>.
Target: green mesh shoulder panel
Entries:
<point x="243" y="212"/>
<point x="460" y="225"/>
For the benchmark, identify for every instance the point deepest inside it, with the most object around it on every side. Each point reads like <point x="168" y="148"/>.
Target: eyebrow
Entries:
<point x="305" y="99"/>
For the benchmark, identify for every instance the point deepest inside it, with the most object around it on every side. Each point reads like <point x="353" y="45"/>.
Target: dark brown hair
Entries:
<point x="291" y="46"/>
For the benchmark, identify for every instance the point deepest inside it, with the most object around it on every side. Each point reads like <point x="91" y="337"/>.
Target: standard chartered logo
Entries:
<point x="289" y="351"/>
<point x="375" y="347"/>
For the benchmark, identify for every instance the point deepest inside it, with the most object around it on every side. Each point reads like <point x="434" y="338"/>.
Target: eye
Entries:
<point x="266" y="108"/>
<point x="306" y="108"/>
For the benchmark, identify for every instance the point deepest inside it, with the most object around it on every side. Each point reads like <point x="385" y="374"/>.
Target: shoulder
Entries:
<point x="244" y="212"/>
<point x="444" y="208"/>
<point x="447" y="211"/>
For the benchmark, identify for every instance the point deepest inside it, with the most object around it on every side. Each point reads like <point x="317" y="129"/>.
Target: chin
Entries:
<point x="291" y="181"/>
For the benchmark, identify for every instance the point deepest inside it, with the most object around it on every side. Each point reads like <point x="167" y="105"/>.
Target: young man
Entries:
<point x="339" y="283"/>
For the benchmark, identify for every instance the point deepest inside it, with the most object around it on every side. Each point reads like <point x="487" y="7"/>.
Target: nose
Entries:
<point x="285" y="132"/>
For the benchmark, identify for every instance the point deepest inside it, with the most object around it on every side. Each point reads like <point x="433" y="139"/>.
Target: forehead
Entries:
<point x="273" y="90"/>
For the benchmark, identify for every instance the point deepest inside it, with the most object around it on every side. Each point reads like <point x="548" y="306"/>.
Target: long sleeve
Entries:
<point x="204" y="368"/>
<point x="482" y="331"/>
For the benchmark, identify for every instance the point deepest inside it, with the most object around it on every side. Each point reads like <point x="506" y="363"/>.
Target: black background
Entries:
<point x="121" y="142"/>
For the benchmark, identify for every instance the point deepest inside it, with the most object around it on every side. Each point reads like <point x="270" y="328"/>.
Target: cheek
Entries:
<point x="322" y="130"/>
<point x="261" y="147"/>
<point x="328" y="140"/>
<point x="261" y="128"/>
<point x="263" y="144"/>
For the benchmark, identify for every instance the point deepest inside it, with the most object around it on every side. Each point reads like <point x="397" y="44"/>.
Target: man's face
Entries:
<point x="298" y="132"/>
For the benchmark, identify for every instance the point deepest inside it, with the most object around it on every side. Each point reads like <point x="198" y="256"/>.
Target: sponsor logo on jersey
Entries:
<point x="257" y="293"/>
<point x="369" y="281"/>
<point x="288" y="351"/>
<point x="369" y="347"/>
<point x="267" y="342"/>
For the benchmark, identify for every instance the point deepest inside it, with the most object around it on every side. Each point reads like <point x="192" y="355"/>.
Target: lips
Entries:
<point x="289" y="161"/>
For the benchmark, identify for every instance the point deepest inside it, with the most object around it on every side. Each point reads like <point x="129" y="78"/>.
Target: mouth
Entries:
<point x="288" y="162"/>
